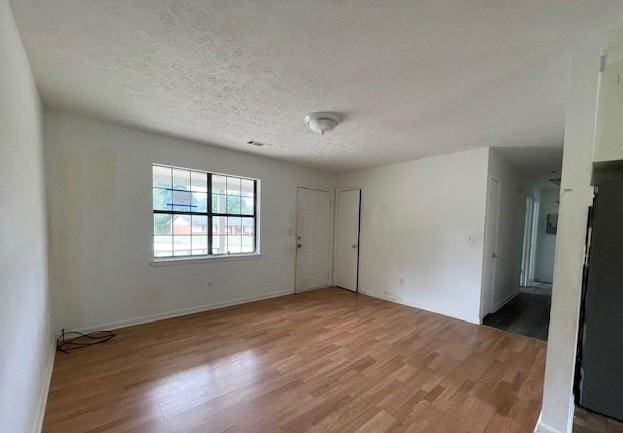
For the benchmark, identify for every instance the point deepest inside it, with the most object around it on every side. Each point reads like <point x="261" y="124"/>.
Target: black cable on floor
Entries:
<point x="80" y="340"/>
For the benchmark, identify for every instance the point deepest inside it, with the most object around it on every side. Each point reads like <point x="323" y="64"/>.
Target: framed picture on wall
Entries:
<point x="552" y="224"/>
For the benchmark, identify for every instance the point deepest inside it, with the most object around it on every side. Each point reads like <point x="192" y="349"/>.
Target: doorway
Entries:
<point x="314" y="239"/>
<point x="527" y="310"/>
<point x="347" y="221"/>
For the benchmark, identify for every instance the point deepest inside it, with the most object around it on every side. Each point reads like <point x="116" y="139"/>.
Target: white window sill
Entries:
<point x="170" y="261"/>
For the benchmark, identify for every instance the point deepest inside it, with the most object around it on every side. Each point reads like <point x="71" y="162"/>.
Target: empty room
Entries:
<point x="311" y="217"/>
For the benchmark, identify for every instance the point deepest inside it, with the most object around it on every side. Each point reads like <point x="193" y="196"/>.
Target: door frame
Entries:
<point x="536" y="213"/>
<point x="490" y="285"/>
<point x="354" y="188"/>
<point x="531" y="222"/>
<point x="331" y="241"/>
<point x="526" y="248"/>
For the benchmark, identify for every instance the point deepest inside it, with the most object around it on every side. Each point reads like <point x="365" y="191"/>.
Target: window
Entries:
<point x="201" y="214"/>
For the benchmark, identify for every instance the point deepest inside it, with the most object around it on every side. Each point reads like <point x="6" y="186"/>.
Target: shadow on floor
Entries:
<point x="527" y="314"/>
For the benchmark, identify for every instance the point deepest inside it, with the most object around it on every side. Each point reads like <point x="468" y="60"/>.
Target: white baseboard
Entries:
<point x="45" y="388"/>
<point x="310" y="289"/>
<point x="504" y="301"/>
<point x="398" y="300"/>
<point x="181" y="312"/>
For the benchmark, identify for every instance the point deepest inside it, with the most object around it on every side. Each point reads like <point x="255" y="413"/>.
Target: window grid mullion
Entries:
<point x="209" y="210"/>
<point x="254" y="215"/>
<point x="209" y="214"/>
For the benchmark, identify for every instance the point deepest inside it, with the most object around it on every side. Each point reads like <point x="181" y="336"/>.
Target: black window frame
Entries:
<point x="209" y="214"/>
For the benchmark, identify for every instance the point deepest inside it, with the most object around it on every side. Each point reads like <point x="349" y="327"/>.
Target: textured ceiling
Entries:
<point x="411" y="78"/>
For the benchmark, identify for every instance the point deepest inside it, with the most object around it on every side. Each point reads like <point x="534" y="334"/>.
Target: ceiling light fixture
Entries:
<point x="322" y="121"/>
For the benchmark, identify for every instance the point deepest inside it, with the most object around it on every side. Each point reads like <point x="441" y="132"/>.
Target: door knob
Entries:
<point x="299" y="245"/>
<point x="354" y="246"/>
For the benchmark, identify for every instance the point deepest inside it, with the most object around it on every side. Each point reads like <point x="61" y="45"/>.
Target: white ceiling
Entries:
<point x="411" y="78"/>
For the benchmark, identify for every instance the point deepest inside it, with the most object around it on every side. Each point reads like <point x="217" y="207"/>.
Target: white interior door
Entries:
<point x="313" y="239"/>
<point x="347" y="238"/>
<point x="491" y="244"/>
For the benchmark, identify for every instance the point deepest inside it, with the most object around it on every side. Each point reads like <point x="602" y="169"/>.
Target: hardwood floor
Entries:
<point x="316" y="362"/>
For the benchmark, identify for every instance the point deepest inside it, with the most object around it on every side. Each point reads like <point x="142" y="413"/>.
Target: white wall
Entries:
<point x="510" y="230"/>
<point x="576" y="195"/>
<point x="99" y="188"/>
<point x="416" y="221"/>
<point x="25" y="339"/>
<point x="609" y="135"/>
<point x="545" y="243"/>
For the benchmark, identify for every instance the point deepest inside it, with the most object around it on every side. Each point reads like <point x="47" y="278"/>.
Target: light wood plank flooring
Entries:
<point x="317" y="362"/>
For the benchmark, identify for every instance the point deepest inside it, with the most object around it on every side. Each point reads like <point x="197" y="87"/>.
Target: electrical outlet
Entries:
<point x="210" y="284"/>
<point x="402" y="282"/>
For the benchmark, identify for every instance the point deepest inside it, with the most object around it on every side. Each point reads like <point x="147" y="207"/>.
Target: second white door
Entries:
<point x="313" y="239"/>
<point x="347" y="238"/>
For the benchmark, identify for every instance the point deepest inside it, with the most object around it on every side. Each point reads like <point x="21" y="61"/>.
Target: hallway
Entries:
<point x="527" y="314"/>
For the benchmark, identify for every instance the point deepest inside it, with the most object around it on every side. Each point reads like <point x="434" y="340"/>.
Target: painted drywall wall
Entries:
<point x="510" y="231"/>
<point x="545" y="243"/>
<point x="575" y="198"/>
<point x="609" y="134"/>
<point x="25" y="338"/>
<point x="422" y="225"/>
<point x="99" y="186"/>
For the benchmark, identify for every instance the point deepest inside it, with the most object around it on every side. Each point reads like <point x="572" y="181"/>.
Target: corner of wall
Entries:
<point x="580" y="115"/>
<point x="45" y="386"/>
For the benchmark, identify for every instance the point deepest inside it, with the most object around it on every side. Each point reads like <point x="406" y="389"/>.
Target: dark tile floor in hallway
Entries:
<point x="588" y="422"/>
<point x="527" y="314"/>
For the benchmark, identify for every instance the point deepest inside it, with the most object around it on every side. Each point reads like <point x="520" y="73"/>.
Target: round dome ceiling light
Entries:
<point x="322" y="121"/>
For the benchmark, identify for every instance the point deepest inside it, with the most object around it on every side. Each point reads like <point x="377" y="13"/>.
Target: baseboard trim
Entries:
<point x="504" y="301"/>
<point x="310" y="289"/>
<point x="181" y="312"/>
<point x="398" y="300"/>
<point x="45" y="388"/>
